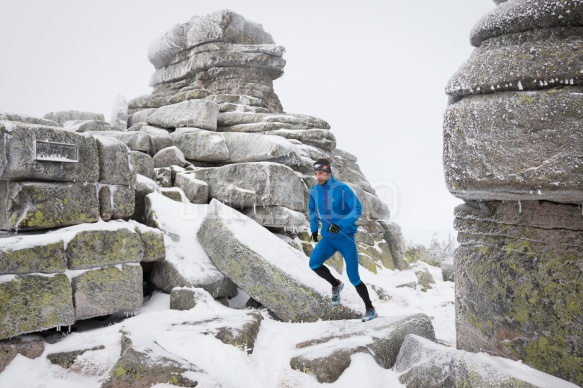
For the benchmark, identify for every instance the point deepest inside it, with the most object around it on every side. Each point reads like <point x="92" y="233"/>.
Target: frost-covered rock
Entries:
<point x="247" y="185"/>
<point x="294" y="120"/>
<point x="250" y="147"/>
<point x="518" y="283"/>
<point x="186" y="264"/>
<point x="165" y="47"/>
<point x="423" y="363"/>
<point x="269" y="270"/>
<point x="143" y="163"/>
<point x="201" y="145"/>
<point x="169" y="156"/>
<point x="119" y="114"/>
<point x="86" y="126"/>
<point x="39" y="205"/>
<point x="134" y="140"/>
<point x="192" y="113"/>
<point x="196" y="191"/>
<point x="117" y="244"/>
<point x="373" y="208"/>
<point x="62" y="117"/>
<point x="116" y="202"/>
<point x="25" y="119"/>
<point x="34" y="303"/>
<point x="278" y="217"/>
<point x="35" y="152"/>
<point x="322" y="138"/>
<point x="525" y="15"/>
<point x="516" y="146"/>
<point x="329" y="354"/>
<point x="139" y="116"/>
<point x="108" y="290"/>
<point x="114" y="161"/>
<point x="346" y="169"/>
<point x="20" y="255"/>
<point x="160" y="138"/>
<point x="226" y="26"/>
<point x="547" y="60"/>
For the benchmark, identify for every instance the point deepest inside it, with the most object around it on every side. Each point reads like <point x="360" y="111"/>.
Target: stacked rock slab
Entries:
<point x="513" y="151"/>
<point x="61" y="182"/>
<point x="213" y="95"/>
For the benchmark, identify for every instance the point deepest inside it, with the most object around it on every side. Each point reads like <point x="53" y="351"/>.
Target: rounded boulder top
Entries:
<point x="525" y="15"/>
<point x="226" y="26"/>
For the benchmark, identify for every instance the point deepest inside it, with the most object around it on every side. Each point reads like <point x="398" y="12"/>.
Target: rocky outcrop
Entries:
<point x="329" y="355"/>
<point x="512" y="152"/>
<point x="423" y="363"/>
<point x="269" y="270"/>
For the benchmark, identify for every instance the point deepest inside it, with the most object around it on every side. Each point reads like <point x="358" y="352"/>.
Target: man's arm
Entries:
<point x="352" y="202"/>
<point x="313" y="213"/>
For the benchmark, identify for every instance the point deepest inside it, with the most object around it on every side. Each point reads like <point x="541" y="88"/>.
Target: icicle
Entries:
<point x="69" y="329"/>
<point x="255" y="207"/>
<point x="519" y="207"/>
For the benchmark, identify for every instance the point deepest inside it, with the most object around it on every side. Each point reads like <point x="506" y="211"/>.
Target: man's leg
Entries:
<point x="347" y="247"/>
<point x="322" y="252"/>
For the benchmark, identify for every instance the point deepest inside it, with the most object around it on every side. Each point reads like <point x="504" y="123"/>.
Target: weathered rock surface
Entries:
<point x="86" y="126"/>
<point x="114" y="161"/>
<point x="532" y="60"/>
<point x="25" y="119"/>
<point x="186" y="263"/>
<point x="267" y="268"/>
<point x="196" y="191"/>
<point x="525" y="15"/>
<point x="322" y="138"/>
<point x="329" y="355"/>
<point x="485" y="156"/>
<point x="247" y="185"/>
<point x="423" y="363"/>
<point x="97" y="248"/>
<point x="533" y="308"/>
<point x="134" y="140"/>
<point x="278" y="217"/>
<point x="107" y="290"/>
<point x="34" y="303"/>
<point x="30" y="346"/>
<point x="152" y="242"/>
<point x="19" y="255"/>
<point x="160" y="138"/>
<point x="170" y="156"/>
<point x="57" y="155"/>
<point x="294" y="120"/>
<point x="62" y="117"/>
<point x="192" y="113"/>
<point x="143" y="163"/>
<point x="37" y="205"/>
<point x="201" y="145"/>
<point x="119" y="114"/>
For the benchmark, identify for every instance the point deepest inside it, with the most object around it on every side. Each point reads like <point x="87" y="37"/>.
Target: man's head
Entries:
<point x="322" y="170"/>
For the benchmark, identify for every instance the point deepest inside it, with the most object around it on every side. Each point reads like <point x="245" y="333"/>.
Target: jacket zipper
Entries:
<point x="326" y="208"/>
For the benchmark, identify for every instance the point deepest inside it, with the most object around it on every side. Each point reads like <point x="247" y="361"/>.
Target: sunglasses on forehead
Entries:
<point x="321" y="167"/>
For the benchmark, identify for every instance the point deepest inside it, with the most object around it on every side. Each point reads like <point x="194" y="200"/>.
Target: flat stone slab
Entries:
<point x="108" y="290"/>
<point x="524" y="15"/>
<point x="531" y="60"/>
<point x="192" y="113"/>
<point x="278" y="217"/>
<point x="268" y="269"/>
<point x="294" y="120"/>
<point x="186" y="263"/>
<point x="26" y="119"/>
<point x="101" y="247"/>
<point x="69" y="115"/>
<point x="34" y="303"/>
<point x="25" y="254"/>
<point x="36" y="152"/>
<point x="87" y="126"/>
<point x="38" y="205"/>
<point x="329" y="354"/>
<point x="516" y="146"/>
<point x="247" y="185"/>
<point x="322" y="138"/>
<point x="423" y="363"/>
<point x="134" y="140"/>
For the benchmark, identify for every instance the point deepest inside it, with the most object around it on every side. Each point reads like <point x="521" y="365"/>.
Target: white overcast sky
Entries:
<point x="374" y="69"/>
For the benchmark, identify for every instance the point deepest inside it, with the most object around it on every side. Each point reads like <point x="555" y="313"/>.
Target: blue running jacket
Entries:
<point x="334" y="203"/>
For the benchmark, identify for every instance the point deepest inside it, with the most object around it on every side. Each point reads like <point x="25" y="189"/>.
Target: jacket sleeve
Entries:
<point x="313" y="212"/>
<point x="351" y="200"/>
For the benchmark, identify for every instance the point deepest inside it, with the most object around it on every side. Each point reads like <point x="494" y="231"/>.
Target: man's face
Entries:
<point x="322" y="177"/>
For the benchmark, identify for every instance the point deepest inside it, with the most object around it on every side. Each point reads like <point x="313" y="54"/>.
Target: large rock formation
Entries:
<point x="513" y="141"/>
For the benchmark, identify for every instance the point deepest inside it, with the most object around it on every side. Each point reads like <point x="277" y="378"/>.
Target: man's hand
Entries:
<point x="315" y="236"/>
<point x="334" y="228"/>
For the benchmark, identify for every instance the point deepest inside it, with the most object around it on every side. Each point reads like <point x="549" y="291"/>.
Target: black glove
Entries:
<point x="315" y="236"/>
<point x="334" y="228"/>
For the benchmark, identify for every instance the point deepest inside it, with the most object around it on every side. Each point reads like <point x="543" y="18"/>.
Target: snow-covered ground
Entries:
<point x="267" y="366"/>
